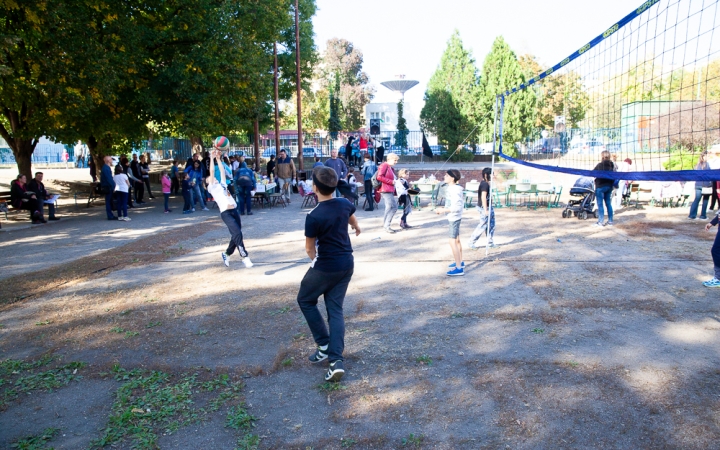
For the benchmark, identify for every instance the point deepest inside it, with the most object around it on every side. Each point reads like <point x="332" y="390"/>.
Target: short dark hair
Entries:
<point x="455" y="174"/>
<point x="325" y="180"/>
<point x="38" y="173"/>
<point x="118" y="169"/>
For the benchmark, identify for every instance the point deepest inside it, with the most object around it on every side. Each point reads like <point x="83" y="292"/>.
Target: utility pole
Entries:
<point x="277" y="114"/>
<point x="299" y="96"/>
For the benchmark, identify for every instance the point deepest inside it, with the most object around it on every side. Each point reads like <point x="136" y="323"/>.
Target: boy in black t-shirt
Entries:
<point x="487" y="213"/>
<point x="327" y="243"/>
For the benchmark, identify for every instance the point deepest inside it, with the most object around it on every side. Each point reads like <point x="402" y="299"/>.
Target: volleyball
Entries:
<point x="222" y="143"/>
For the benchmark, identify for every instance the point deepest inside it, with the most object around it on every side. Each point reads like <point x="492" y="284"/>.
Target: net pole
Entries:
<point x="492" y="172"/>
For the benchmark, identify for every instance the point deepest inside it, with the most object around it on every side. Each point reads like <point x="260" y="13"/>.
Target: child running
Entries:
<point x="454" y="208"/>
<point x="487" y="213"/>
<point x="327" y="243"/>
<point x="228" y="212"/>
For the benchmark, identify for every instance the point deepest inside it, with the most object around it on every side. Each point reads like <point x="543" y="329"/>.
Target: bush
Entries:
<point x="682" y="161"/>
<point x="459" y="156"/>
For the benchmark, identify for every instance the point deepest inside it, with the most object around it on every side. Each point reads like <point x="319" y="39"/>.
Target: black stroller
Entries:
<point x="584" y="188"/>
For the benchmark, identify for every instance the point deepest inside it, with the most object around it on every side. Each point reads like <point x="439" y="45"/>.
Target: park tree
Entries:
<point x="452" y="95"/>
<point x="334" y="123"/>
<point x="342" y="62"/>
<point x="402" y="129"/>
<point x="502" y="71"/>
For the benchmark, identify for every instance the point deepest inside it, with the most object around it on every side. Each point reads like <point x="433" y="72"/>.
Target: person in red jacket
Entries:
<point x="386" y="176"/>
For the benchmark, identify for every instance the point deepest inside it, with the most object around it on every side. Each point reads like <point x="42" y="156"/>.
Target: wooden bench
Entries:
<point x="5" y="199"/>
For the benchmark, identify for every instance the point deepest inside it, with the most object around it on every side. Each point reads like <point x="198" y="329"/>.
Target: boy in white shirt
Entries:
<point x="454" y="203"/>
<point x="228" y="212"/>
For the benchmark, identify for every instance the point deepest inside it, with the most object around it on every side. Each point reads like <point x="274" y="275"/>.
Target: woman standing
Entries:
<point x="196" y="180"/>
<point x="699" y="185"/>
<point x="603" y="190"/>
<point x="386" y="176"/>
<point x="122" y="189"/>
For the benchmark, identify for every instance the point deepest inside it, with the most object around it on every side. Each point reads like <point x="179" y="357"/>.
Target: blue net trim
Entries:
<point x="656" y="175"/>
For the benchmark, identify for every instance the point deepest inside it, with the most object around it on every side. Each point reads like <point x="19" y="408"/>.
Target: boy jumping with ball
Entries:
<point x="327" y="243"/>
<point x="228" y="212"/>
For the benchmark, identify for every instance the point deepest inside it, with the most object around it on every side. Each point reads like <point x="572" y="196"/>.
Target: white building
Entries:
<point x="387" y="113"/>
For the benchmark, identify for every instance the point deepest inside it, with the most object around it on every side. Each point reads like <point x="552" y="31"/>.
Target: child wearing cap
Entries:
<point x="327" y="243"/>
<point x="454" y="203"/>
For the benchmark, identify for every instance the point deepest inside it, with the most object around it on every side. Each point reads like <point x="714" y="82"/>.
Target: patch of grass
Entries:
<point x="149" y="403"/>
<point x="117" y="330"/>
<point x="347" y="443"/>
<point x="35" y="442"/>
<point x="457" y="315"/>
<point x="424" y="359"/>
<point x="248" y="442"/>
<point x="287" y="362"/>
<point x="331" y="387"/>
<point x="20" y="377"/>
<point x="413" y="440"/>
<point x="573" y="363"/>
<point x="299" y="336"/>
<point x="282" y="310"/>
<point x="153" y="324"/>
<point x="239" y="419"/>
<point x="129" y="334"/>
<point x="201" y="332"/>
<point x="126" y="312"/>
<point x="538" y="330"/>
<point x="44" y="322"/>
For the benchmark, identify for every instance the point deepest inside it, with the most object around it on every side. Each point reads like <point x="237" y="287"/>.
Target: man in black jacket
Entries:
<point x="137" y="173"/>
<point x="36" y="185"/>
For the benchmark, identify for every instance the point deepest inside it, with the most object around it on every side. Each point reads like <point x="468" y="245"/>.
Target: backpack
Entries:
<point x="375" y="183"/>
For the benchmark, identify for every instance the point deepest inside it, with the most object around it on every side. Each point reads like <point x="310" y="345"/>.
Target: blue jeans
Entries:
<point x="122" y="203"/>
<point x="332" y="286"/>
<point x="604" y="194"/>
<point x="244" y="199"/>
<point x="167" y="199"/>
<point x="195" y="195"/>
<point x="483" y="227"/>
<point x="696" y="203"/>
<point x="109" y="205"/>
<point x="187" y="196"/>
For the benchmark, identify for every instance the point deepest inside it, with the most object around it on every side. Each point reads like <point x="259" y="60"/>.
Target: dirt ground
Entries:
<point x="135" y="334"/>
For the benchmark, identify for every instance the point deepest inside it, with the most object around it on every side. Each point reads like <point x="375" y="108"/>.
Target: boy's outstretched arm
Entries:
<point x="354" y="224"/>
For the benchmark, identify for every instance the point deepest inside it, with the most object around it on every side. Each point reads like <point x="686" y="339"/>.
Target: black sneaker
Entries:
<point x="318" y="356"/>
<point x="335" y="371"/>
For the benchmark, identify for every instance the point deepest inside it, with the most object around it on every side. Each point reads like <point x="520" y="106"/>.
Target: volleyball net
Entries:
<point x="646" y="90"/>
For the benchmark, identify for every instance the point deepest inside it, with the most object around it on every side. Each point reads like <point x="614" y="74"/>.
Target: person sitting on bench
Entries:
<point x="23" y="198"/>
<point x="36" y="185"/>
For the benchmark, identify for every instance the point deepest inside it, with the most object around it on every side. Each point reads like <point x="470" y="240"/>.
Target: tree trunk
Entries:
<point x="256" y="145"/>
<point x="196" y="141"/>
<point x="23" y="150"/>
<point x="92" y="145"/>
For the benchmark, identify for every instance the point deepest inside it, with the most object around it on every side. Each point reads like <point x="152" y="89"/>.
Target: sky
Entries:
<point x="409" y="37"/>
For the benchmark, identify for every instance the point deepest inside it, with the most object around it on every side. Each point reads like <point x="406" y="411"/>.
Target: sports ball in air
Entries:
<point x="222" y="143"/>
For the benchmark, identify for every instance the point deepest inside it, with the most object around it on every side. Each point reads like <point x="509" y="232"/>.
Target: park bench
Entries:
<point x="9" y="209"/>
<point x="80" y="189"/>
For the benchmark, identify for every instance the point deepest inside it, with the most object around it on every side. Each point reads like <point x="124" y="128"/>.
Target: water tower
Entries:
<point x="401" y="85"/>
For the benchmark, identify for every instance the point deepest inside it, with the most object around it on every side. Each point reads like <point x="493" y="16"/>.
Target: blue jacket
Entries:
<point x="196" y="175"/>
<point x="106" y="178"/>
<point x="245" y="176"/>
<point x="339" y="166"/>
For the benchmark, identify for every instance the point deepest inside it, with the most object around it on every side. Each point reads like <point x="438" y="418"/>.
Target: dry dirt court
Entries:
<point x="135" y="335"/>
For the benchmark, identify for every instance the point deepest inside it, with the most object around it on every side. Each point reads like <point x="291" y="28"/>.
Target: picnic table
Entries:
<point x="81" y="189"/>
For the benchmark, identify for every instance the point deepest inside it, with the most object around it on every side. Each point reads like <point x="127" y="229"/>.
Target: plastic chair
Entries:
<point x="309" y="198"/>
<point x="543" y="190"/>
<point x="497" y="195"/>
<point x="471" y="191"/>
<point x="426" y="192"/>
<point x="524" y="190"/>
<point x="556" y="201"/>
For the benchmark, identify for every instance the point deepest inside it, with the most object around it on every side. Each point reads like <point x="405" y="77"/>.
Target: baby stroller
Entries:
<point x="584" y="188"/>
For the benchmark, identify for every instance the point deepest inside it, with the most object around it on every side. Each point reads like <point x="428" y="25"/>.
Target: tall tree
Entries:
<point x="342" y="62"/>
<point x="452" y="96"/>
<point x="502" y="71"/>
<point x="402" y="129"/>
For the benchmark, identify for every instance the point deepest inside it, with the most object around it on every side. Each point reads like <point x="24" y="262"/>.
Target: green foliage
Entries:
<point x="502" y="71"/>
<point x="239" y="419"/>
<point x="153" y="402"/>
<point x="452" y="94"/>
<point x="20" y="377"/>
<point x="682" y="161"/>
<point x="413" y="440"/>
<point x="424" y="359"/>
<point x="35" y="442"/>
<point x="461" y="155"/>
<point x="334" y="123"/>
<point x="402" y="129"/>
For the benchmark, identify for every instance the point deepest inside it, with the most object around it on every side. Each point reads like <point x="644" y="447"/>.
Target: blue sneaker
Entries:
<point x="456" y="272"/>
<point x="462" y="264"/>
<point x="712" y="283"/>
